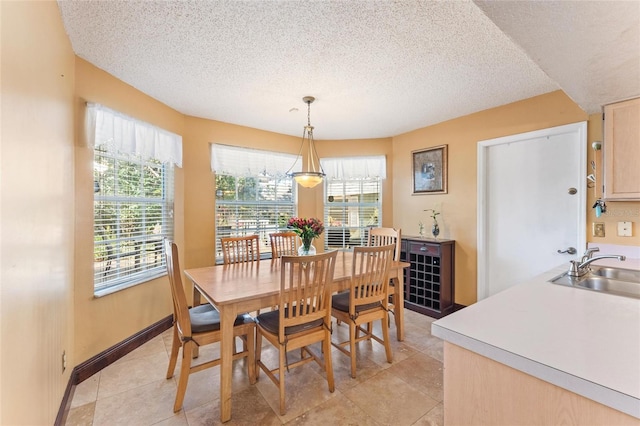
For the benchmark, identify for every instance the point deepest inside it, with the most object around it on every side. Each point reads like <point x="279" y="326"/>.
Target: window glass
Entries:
<point x="351" y="206"/>
<point x="252" y="205"/>
<point x="133" y="212"/>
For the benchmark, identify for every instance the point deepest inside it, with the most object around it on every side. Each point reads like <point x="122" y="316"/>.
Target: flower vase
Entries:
<point x="435" y="229"/>
<point x="306" y="249"/>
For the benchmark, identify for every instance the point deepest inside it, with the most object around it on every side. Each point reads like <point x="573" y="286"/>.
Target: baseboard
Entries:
<point x="83" y="371"/>
<point x="65" y="405"/>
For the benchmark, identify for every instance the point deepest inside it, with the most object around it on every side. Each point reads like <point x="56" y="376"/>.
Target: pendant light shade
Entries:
<point x="312" y="173"/>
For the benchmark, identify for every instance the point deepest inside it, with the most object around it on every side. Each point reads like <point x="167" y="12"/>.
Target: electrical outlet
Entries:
<point x="598" y="229"/>
<point x="625" y="229"/>
<point x="64" y="361"/>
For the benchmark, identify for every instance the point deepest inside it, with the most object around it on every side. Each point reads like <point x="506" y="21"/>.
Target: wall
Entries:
<point x="200" y="185"/>
<point x="36" y="216"/>
<point x="112" y="318"/>
<point x="617" y="211"/>
<point x="458" y="207"/>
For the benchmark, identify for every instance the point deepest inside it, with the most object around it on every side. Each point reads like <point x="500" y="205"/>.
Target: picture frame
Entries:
<point x="429" y="167"/>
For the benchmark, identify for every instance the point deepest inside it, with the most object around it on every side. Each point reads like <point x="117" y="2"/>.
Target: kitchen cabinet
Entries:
<point x="429" y="283"/>
<point x="622" y="150"/>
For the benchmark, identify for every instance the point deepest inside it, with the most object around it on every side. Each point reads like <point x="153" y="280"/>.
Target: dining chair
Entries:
<point x="303" y="317"/>
<point x="366" y="300"/>
<point x="198" y="326"/>
<point x="283" y="244"/>
<point x="240" y="249"/>
<point x="379" y="236"/>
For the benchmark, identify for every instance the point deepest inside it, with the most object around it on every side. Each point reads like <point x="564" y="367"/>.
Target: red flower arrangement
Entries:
<point x="307" y="229"/>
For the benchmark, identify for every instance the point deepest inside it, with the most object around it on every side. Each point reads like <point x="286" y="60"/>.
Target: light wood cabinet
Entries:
<point x="622" y="150"/>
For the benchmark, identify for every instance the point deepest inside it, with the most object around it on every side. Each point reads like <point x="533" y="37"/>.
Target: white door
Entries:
<point x="531" y="204"/>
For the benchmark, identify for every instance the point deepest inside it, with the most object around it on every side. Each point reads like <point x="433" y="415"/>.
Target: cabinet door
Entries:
<point x="622" y="150"/>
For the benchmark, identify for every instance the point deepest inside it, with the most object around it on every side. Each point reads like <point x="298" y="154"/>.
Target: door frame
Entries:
<point x="580" y="129"/>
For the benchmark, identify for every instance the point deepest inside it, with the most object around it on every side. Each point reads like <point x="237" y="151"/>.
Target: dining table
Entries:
<point x="250" y="286"/>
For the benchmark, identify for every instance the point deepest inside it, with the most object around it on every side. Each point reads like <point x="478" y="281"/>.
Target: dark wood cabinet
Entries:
<point x="429" y="283"/>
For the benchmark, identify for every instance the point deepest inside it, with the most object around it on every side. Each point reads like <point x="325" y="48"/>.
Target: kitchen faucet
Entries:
<point x="580" y="268"/>
<point x="588" y="254"/>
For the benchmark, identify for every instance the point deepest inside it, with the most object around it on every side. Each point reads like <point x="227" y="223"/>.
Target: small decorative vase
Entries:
<point x="306" y="249"/>
<point x="435" y="230"/>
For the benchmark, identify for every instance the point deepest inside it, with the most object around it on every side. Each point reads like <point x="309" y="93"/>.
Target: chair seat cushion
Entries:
<point x="340" y="302"/>
<point x="270" y="321"/>
<point x="207" y="318"/>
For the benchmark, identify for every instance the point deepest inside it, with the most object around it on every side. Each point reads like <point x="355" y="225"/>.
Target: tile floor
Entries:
<point x="134" y="390"/>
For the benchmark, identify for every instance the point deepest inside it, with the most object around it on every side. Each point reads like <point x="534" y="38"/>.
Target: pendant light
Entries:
<point x="312" y="174"/>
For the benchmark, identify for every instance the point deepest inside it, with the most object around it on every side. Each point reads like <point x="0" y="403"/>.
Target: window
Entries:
<point x="253" y="193"/>
<point x="133" y="212"/>
<point x="353" y="199"/>
<point x="133" y="197"/>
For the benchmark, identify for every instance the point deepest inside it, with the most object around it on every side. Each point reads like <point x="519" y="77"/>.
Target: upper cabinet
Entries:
<point x="622" y="150"/>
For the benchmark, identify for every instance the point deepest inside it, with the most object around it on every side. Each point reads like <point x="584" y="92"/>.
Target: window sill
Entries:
<point x="125" y="285"/>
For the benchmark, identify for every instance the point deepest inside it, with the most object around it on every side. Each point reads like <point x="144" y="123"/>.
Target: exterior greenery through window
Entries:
<point x="248" y="205"/>
<point x="133" y="211"/>
<point x="351" y="206"/>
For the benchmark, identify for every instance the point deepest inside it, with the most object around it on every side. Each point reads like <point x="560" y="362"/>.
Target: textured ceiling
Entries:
<point x="377" y="68"/>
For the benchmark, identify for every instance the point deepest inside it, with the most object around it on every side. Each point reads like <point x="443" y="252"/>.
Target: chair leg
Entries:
<point x="187" y="355"/>
<point x="385" y="335"/>
<point x="328" y="366"/>
<point x="173" y="357"/>
<point x="281" y="371"/>
<point x="352" y="347"/>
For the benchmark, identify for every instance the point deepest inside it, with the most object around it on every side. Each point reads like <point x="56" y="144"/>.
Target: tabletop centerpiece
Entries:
<point x="307" y="230"/>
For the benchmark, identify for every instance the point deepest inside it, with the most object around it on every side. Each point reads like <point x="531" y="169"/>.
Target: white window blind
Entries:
<point x="253" y="194"/>
<point x="133" y="202"/>
<point x="353" y="199"/>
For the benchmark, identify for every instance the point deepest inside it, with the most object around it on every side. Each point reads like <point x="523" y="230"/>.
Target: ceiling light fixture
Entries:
<point x="312" y="174"/>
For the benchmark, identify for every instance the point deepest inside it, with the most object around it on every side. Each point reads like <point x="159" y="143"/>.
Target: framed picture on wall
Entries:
<point x="430" y="170"/>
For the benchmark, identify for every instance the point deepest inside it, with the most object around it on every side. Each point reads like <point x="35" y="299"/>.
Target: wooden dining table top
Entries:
<point x="224" y="284"/>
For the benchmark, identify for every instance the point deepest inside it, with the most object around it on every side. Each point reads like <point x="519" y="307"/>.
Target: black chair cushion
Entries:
<point x="270" y="321"/>
<point x="340" y="302"/>
<point x="207" y="318"/>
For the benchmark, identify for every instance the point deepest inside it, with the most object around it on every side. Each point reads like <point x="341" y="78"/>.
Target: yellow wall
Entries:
<point x="458" y="207"/>
<point x="36" y="217"/>
<point x="108" y="320"/>
<point x="617" y="211"/>
<point x="200" y="186"/>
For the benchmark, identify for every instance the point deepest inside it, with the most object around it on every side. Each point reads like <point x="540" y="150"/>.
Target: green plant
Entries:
<point x="433" y="214"/>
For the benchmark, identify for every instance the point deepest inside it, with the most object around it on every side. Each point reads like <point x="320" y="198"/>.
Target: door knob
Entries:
<point x="570" y="250"/>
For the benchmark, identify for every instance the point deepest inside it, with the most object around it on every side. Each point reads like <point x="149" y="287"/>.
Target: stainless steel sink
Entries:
<point x="618" y="274"/>
<point x="621" y="282"/>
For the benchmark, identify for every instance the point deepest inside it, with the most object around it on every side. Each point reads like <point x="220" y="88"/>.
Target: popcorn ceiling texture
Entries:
<point x="376" y="68"/>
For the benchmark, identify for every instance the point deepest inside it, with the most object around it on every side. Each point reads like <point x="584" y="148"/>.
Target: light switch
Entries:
<point x="624" y="229"/>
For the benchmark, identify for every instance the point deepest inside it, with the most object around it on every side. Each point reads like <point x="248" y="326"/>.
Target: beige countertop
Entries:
<point x="583" y="341"/>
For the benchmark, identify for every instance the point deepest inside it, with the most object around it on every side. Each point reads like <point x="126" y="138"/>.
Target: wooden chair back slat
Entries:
<point x="283" y="244"/>
<point x="384" y="236"/>
<point x="370" y="275"/>
<point x="305" y="289"/>
<point x="180" y="304"/>
<point x="240" y="249"/>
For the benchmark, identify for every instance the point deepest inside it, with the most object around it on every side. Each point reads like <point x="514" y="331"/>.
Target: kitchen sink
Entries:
<point x="621" y="282"/>
<point x="618" y="274"/>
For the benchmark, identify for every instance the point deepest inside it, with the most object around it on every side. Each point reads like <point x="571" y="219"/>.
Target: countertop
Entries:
<point x="580" y="340"/>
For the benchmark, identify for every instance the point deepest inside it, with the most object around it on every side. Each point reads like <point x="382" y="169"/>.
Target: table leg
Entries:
<point x="398" y="300"/>
<point x="227" y="317"/>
